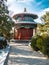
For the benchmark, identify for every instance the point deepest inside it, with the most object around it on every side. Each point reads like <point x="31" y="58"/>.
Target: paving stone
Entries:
<point x="22" y="54"/>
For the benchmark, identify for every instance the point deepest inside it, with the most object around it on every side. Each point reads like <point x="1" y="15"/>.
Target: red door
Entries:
<point x="23" y="34"/>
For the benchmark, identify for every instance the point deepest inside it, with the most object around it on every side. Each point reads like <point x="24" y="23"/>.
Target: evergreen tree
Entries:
<point x="45" y="18"/>
<point x="6" y="22"/>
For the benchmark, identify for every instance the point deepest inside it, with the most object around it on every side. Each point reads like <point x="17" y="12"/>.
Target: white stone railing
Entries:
<point x="4" y="53"/>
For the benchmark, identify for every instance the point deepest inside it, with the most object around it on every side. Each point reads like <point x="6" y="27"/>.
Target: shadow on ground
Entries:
<point x="22" y="55"/>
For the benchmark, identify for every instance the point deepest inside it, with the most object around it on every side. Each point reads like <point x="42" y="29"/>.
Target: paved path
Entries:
<point x="22" y="54"/>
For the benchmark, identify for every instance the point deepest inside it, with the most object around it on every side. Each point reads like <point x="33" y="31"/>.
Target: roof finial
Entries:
<point x="25" y="10"/>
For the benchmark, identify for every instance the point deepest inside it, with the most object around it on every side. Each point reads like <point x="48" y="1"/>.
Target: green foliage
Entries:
<point x="3" y="43"/>
<point x="45" y="18"/>
<point x="33" y="43"/>
<point x="45" y="49"/>
<point x="41" y="42"/>
<point x="42" y="39"/>
<point x="6" y="22"/>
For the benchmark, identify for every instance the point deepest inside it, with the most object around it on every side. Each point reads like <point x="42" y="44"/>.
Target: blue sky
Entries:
<point x="31" y="5"/>
<point x="34" y="6"/>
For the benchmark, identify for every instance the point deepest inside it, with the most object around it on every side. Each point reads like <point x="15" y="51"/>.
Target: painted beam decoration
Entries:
<point x="25" y="26"/>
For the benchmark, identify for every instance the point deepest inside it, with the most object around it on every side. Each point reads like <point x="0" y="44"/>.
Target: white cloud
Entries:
<point x="16" y="6"/>
<point x="43" y="12"/>
<point x="11" y="2"/>
<point x="46" y="9"/>
<point x="25" y="0"/>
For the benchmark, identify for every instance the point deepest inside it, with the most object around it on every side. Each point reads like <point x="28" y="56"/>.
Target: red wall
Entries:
<point x="23" y="34"/>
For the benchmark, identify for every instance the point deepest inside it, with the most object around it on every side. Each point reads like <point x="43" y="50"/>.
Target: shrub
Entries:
<point x="45" y="50"/>
<point x="33" y="43"/>
<point x="41" y="42"/>
<point x="3" y="43"/>
<point x="44" y="35"/>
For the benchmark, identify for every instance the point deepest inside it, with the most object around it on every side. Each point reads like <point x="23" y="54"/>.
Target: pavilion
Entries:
<point x="25" y="26"/>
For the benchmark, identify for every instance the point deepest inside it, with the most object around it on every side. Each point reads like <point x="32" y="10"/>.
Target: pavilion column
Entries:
<point x="33" y="32"/>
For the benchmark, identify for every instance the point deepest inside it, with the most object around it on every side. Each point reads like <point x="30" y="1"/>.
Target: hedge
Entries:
<point x="41" y="43"/>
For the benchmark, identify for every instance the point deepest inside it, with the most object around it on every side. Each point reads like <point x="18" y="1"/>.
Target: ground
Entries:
<point x="22" y="54"/>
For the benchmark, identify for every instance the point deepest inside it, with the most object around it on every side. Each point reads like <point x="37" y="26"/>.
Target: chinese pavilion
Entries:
<point x="25" y="26"/>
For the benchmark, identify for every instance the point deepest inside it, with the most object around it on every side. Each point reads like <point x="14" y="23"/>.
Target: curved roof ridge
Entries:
<point x="34" y="16"/>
